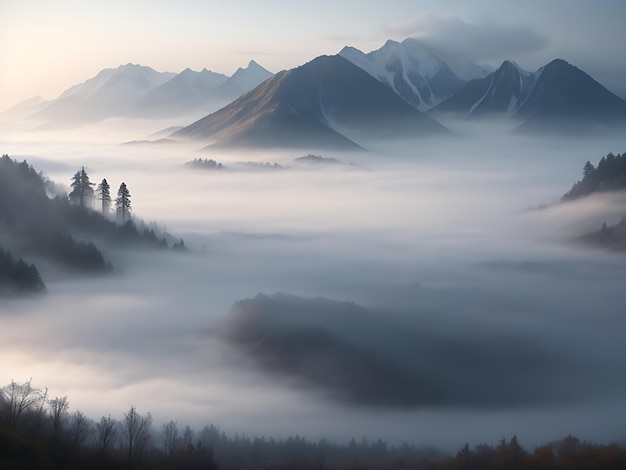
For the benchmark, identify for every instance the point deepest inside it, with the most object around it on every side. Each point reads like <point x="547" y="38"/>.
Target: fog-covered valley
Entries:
<point x="516" y="324"/>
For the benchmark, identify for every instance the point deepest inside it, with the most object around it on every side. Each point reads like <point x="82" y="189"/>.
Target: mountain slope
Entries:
<point x="186" y="92"/>
<point x="501" y="92"/>
<point x="410" y="69"/>
<point x="111" y="93"/>
<point x="26" y="108"/>
<point x="245" y="79"/>
<point x="556" y="98"/>
<point x="327" y="102"/>
<point x="568" y="98"/>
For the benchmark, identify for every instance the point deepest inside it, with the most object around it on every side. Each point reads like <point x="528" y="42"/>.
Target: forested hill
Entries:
<point x="39" y="223"/>
<point x="18" y="276"/>
<point x="609" y="175"/>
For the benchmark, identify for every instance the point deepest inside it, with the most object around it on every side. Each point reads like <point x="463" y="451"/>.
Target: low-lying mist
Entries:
<point x="517" y="327"/>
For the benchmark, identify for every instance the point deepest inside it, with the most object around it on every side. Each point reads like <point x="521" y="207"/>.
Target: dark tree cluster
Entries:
<point x="210" y="164"/>
<point x="36" y="220"/>
<point x="38" y="431"/>
<point x="609" y="175"/>
<point x="18" y="276"/>
<point x="568" y="453"/>
<point x="609" y="237"/>
<point x="204" y="164"/>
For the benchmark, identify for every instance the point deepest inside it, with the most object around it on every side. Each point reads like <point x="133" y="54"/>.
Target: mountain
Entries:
<point x="111" y="93"/>
<point x="245" y="79"/>
<point x="138" y="91"/>
<point x="566" y="97"/>
<point x="26" y="108"/>
<point x="410" y="69"/>
<point x="501" y="92"/>
<point x="557" y="97"/>
<point x="186" y="92"/>
<point x="326" y="103"/>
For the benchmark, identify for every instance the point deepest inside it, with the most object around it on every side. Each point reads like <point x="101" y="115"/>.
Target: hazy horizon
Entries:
<point x="424" y="232"/>
<point x="47" y="49"/>
<point x="434" y="290"/>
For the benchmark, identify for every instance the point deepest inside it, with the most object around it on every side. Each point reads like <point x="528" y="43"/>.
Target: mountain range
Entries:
<point x="411" y="70"/>
<point x="557" y="97"/>
<point x="190" y="91"/>
<point x="340" y="101"/>
<point x="328" y="102"/>
<point x="138" y="91"/>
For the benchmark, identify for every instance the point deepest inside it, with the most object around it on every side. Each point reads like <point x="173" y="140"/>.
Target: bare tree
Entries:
<point x="143" y="437"/>
<point x="137" y="429"/>
<point x="58" y="414"/>
<point x="171" y="441"/>
<point x="106" y="434"/>
<point x="40" y="413"/>
<point x="80" y="428"/>
<point x="18" y="399"/>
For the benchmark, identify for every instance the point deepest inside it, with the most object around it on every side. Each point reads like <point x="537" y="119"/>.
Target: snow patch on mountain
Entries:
<point x="409" y="69"/>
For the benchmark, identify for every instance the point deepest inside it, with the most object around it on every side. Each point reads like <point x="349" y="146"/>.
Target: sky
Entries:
<point x="46" y="47"/>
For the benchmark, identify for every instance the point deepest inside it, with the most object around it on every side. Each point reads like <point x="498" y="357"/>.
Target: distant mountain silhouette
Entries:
<point x="409" y="69"/>
<point x="137" y="91"/>
<point x="190" y="92"/>
<point x="26" y="108"/>
<point x="558" y="97"/>
<point x="326" y="103"/>
<point x="111" y="93"/>
<point x="565" y="94"/>
<point x="244" y="80"/>
<point x="186" y="92"/>
<point x="500" y="93"/>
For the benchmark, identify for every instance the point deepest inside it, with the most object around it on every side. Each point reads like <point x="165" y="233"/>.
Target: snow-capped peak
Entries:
<point x="410" y="69"/>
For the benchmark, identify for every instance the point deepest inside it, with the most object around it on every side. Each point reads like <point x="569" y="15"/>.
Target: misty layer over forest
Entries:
<point x="382" y="262"/>
<point x="40" y="431"/>
<point x="416" y="296"/>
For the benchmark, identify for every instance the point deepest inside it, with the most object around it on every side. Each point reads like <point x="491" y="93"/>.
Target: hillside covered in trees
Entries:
<point x="609" y="175"/>
<point x="38" y="431"/>
<point x="39" y="224"/>
<point x="18" y="276"/>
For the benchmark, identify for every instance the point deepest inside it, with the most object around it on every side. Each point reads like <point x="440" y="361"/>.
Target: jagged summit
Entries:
<point x="564" y="93"/>
<point x="558" y="96"/>
<point x="326" y="103"/>
<point x="410" y="69"/>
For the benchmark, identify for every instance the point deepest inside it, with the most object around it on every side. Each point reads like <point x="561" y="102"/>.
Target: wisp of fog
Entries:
<point x="422" y="295"/>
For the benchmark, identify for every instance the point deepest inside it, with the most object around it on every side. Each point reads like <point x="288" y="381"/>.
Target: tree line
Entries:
<point x="83" y="194"/>
<point x="39" y="431"/>
<point x="16" y="275"/>
<point x="609" y="175"/>
<point x="38" y="220"/>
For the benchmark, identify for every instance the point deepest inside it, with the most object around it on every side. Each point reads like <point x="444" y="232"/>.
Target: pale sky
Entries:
<point x="47" y="46"/>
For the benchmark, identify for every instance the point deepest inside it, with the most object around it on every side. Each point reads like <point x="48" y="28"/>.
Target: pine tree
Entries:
<point x="104" y="195"/>
<point x="82" y="190"/>
<point x="122" y="202"/>
<point x="588" y="169"/>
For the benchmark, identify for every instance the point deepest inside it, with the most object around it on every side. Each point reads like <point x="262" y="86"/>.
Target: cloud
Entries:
<point x="486" y="41"/>
<point x="495" y="325"/>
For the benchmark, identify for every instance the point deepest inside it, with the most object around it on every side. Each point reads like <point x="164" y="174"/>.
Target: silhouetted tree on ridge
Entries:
<point x="104" y="196"/>
<point x="82" y="190"/>
<point x="123" y="203"/>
